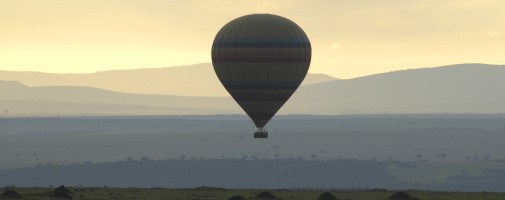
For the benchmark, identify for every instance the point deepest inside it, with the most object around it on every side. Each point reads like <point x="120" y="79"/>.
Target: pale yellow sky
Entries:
<point x="349" y="38"/>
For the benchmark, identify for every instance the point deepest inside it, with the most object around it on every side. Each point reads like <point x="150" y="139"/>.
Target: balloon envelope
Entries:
<point x="261" y="59"/>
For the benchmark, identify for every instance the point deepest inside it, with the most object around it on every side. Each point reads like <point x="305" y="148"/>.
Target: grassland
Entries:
<point x="224" y="194"/>
<point x="429" y="172"/>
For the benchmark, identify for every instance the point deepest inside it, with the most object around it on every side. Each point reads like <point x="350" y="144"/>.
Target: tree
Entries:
<point x="36" y="156"/>
<point x="145" y="159"/>
<point x="419" y="156"/>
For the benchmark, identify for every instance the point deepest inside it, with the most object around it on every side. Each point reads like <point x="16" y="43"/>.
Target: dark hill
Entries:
<point x="327" y="196"/>
<point x="10" y="194"/>
<point x="402" y="196"/>
<point x="265" y="195"/>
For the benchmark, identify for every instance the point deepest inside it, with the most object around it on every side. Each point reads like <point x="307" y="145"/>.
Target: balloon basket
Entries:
<point x="261" y="133"/>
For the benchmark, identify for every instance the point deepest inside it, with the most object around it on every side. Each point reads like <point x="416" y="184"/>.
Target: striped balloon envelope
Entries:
<point x="261" y="59"/>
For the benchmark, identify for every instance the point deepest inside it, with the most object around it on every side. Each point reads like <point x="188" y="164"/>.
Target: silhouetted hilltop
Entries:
<point x="167" y="81"/>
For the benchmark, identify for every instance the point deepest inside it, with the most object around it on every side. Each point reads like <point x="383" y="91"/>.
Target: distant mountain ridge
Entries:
<point x="166" y="81"/>
<point x="19" y="99"/>
<point x="464" y="88"/>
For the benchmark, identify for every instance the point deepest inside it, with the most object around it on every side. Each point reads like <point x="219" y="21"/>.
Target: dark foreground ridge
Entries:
<point x="61" y="192"/>
<point x="402" y="196"/>
<point x="237" y="197"/>
<point x="10" y="194"/>
<point x="240" y="194"/>
<point x="265" y="195"/>
<point x="63" y="189"/>
<point x="327" y="196"/>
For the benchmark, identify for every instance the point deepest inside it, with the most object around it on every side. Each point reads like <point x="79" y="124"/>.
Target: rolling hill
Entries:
<point x="18" y="99"/>
<point x="464" y="88"/>
<point x="166" y="81"/>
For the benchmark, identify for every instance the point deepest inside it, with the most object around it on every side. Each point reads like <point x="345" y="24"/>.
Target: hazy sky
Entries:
<point x="349" y="38"/>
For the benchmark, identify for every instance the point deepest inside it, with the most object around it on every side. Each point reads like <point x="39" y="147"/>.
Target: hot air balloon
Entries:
<point x="261" y="59"/>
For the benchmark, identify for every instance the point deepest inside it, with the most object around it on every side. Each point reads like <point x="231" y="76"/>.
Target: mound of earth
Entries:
<point x="11" y="194"/>
<point x="60" y="194"/>
<point x="62" y="188"/>
<point x="327" y="196"/>
<point x="402" y="196"/>
<point x="236" y="197"/>
<point x="265" y="195"/>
